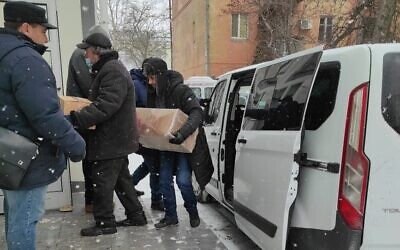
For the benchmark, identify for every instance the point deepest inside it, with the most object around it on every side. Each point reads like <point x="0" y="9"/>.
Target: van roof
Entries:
<point x="200" y="81"/>
<point x="326" y="53"/>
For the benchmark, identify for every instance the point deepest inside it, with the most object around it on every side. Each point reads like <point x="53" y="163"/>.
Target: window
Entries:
<point x="208" y="91"/>
<point x="216" y="100"/>
<point x="239" y="25"/>
<point x="197" y="92"/>
<point x="391" y="90"/>
<point x="325" y="29"/>
<point x="323" y="95"/>
<point x="279" y="93"/>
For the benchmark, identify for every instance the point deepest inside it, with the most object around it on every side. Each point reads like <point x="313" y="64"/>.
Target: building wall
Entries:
<point x="227" y="53"/>
<point x="192" y="54"/>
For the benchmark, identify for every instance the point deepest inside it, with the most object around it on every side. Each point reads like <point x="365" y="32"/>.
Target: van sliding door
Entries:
<point x="265" y="178"/>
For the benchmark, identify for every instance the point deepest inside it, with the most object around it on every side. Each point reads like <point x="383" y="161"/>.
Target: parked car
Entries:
<point x="311" y="161"/>
<point x="202" y="86"/>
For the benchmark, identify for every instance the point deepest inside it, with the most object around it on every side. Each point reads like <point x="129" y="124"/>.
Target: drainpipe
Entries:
<point x="207" y="46"/>
<point x="170" y="32"/>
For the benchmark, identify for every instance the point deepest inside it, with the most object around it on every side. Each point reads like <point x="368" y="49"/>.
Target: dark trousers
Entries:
<point x="149" y="165"/>
<point x="87" y="174"/>
<point x="110" y="175"/>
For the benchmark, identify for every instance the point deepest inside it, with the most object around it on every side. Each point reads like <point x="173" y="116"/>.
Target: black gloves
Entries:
<point x="178" y="138"/>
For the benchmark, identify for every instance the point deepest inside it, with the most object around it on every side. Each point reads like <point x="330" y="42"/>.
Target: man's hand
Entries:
<point x="177" y="139"/>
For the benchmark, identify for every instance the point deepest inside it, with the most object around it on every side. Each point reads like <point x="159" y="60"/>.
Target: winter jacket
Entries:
<point x="176" y="95"/>
<point x="29" y="105"/>
<point x="112" y="110"/>
<point x="79" y="77"/>
<point x="140" y="83"/>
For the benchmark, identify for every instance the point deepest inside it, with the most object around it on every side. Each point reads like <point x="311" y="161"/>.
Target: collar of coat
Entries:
<point x="38" y="47"/>
<point x="113" y="55"/>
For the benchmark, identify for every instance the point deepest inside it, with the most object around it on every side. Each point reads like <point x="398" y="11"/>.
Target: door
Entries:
<point x="212" y="130"/>
<point x="265" y="177"/>
<point x="59" y="193"/>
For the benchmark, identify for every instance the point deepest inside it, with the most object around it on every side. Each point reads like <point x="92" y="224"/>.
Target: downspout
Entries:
<point x="170" y="32"/>
<point x="207" y="46"/>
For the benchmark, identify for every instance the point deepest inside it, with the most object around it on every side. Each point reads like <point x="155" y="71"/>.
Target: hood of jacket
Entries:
<point x="11" y="39"/>
<point x="173" y="78"/>
<point x="137" y="74"/>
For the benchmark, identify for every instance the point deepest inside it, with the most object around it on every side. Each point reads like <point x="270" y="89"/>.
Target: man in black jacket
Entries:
<point x="173" y="94"/>
<point x="113" y="112"/>
<point x="30" y="107"/>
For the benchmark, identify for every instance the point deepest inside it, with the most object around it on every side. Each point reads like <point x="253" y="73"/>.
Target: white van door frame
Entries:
<point x="59" y="192"/>
<point x="265" y="177"/>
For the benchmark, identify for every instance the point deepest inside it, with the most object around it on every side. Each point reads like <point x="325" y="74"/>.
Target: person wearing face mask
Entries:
<point x="113" y="112"/>
<point x="78" y="83"/>
<point x="30" y="106"/>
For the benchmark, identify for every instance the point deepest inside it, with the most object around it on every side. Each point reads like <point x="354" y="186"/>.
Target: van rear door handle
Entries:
<point x="242" y="141"/>
<point x="214" y="133"/>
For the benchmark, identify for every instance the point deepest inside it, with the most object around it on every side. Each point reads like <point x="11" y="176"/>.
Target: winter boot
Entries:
<point x="166" y="223"/>
<point x="194" y="219"/>
<point x="136" y="219"/>
<point x="99" y="229"/>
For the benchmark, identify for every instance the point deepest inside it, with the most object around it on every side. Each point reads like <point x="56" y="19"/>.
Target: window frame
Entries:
<point x="238" y="26"/>
<point x="325" y="27"/>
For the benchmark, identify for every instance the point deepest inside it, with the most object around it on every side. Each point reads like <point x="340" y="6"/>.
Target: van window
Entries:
<point x="391" y="90"/>
<point x="278" y="95"/>
<point x="215" y="105"/>
<point x="197" y="92"/>
<point x="208" y="91"/>
<point x="323" y="95"/>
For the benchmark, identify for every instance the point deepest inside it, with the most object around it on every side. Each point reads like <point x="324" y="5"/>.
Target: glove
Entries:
<point x="177" y="139"/>
<point x="72" y="119"/>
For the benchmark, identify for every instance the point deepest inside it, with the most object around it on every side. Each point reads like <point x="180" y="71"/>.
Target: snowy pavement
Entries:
<point x="59" y="230"/>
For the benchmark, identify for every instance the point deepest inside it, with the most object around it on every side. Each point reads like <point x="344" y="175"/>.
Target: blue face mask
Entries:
<point x="88" y="63"/>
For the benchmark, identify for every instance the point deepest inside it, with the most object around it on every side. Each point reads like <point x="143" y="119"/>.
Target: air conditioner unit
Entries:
<point x="305" y="24"/>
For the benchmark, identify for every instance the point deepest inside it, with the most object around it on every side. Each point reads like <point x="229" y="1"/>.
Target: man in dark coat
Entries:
<point x="29" y="106"/>
<point x="173" y="94"/>
<point x="113" y="112"/>
<point x="78" y="84"/>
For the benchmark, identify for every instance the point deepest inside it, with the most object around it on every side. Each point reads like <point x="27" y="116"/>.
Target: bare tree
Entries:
<point x="354" y="21"/>
<point x="139" y="29"/>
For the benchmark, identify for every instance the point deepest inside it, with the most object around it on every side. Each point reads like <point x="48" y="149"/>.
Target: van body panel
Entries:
<point x="382" y="147"/>
<point x="316" y="202"/>
<point x="265" y="176"/>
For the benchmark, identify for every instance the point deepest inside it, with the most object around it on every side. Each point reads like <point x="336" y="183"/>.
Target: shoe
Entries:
<point x="97" y="230"/>
<point x="138" y="219"/>
<point x="166" y="223"/>
<point x="139" y="193"/>
<point x="66" y="208"/>
<point x="194" y="219"/>
<point x="158" y="205"/>
<point x="89" y="208"/>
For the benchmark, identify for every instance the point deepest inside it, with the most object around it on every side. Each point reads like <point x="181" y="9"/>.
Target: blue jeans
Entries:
<point x="168" y="162"/>
<point x="22" y="210"/>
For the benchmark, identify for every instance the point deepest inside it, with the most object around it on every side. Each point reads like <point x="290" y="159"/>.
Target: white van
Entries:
<point x="306" y="149"/>
<point x="202" y="86"/>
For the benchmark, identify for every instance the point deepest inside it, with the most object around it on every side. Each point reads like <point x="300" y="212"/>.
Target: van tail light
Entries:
<point x="355" y="165"/>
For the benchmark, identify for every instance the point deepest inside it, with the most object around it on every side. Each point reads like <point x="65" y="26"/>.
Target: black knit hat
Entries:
<point x="95" y="40"/>
<point x="24" y="12"/>
<point x="154" y="66"/>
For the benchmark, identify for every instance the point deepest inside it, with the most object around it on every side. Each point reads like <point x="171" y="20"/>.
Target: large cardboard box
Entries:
<point x="72" y="103"/>
<point x="157" y="125"/>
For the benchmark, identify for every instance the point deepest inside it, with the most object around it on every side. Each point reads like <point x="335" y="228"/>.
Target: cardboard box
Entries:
<point x="157" y="125"/>
<point x="72" y="103"/>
